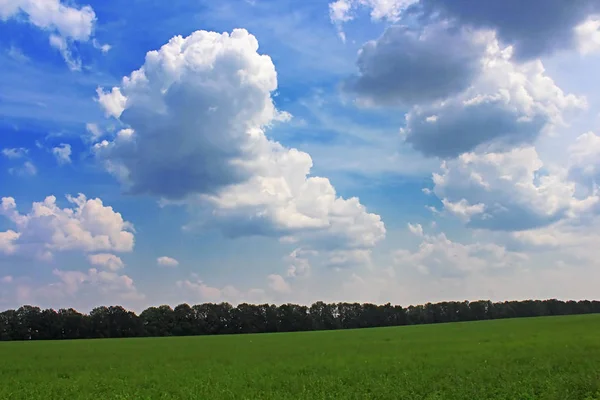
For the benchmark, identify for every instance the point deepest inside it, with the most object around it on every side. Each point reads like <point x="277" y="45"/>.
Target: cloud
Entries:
<point x="197" y="111"/>
<point x="588" y="35"/>
<point x="217" y="102"/>
<point x="283" y="201"/>
<point x="15" y="153"/>
<point x="508" y="104"/>
<point x="342" y="11"/>
<point x="8" y="242"/>
<point x="112" y="101"/>
<point x="87" y="226"/>
<point x="415" y="229"/>
<point x="339" y="259"/>
<point x="6" y="279"/>
<point x="574" y="238"/>
<point x="438" y="256"/>
<point x="94" y="131"/>
<point x="62" y="153"/>
<point x="60" y="43"/>
<point x="584" y="159"/>
<point x="106" y="260"/>
<point x="403" y="66"/>
<point x="511" y="190"/>
<point x="74" y="279"/>
<point x="17" y="54"/>
<point x="71" y="22"/>
<point x="463" y="209"/>
<point x="167" y="262"/>
<point x="278" y="284"/>
<point x="228" y="293"/>
<point x="534" y="28"/>
<point x="27" y="169"/>
<point x="67" y="24"/>
<point x="104" y="48"/>
<point x="82" y="290"/>
<point x="98" y="286"/>
<point x="299" y="264"/>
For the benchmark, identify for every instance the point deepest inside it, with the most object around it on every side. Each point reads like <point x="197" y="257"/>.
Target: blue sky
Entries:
<point x="357" y="150"/>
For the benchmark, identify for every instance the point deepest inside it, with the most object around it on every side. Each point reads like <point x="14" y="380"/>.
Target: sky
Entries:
<point x="403" y="151"/>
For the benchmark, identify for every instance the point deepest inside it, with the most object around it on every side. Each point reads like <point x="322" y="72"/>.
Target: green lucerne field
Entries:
<point x="533" y="358"/>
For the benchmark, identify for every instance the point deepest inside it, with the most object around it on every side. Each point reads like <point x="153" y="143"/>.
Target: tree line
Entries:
<point x="32" y="323"/>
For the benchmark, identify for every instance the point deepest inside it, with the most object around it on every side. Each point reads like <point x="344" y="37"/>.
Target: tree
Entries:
<point x="28" y="322"/>
<point x="31" y="323"/>
<point x="184" y="320"/>
<point x="73" y="325"/>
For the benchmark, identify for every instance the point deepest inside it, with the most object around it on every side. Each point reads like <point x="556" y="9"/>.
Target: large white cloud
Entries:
<point x="87" y="226"/>
<point x="508" y="104"/>
<point x="197" y="107"/>
<point x="197" y="111"/>
<point x="283" y="201"/>
<point x="479" y="95"/>
<point x="65" y="22"/>
<point x="511" y="190"/>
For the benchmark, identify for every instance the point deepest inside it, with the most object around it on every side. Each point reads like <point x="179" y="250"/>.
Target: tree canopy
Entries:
<point x="32" y="323"/>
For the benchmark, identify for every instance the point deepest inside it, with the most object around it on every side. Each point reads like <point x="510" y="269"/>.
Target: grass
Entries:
<point x="534" y="358"/>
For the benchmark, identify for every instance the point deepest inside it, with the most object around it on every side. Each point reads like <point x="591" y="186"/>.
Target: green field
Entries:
<point x="536" y="358"/>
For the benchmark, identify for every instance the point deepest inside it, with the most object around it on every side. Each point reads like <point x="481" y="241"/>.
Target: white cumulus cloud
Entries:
<point x="511" y="190"/>
<point x="197" y="111"/>
<point x="87" y="226"/>
<point x="507" y="104"/>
